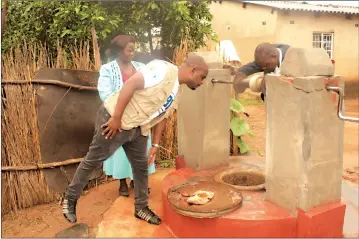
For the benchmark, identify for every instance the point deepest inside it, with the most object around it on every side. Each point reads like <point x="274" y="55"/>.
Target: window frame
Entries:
<point x="322" y="42"/>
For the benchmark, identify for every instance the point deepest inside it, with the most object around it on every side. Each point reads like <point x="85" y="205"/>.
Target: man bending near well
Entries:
<point x="144" y="101"/>
<point x="267" y="58"/>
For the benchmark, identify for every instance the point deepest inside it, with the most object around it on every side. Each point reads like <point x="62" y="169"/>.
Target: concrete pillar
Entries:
<point x="304" y="147"/>
<point x="204" y="117"/>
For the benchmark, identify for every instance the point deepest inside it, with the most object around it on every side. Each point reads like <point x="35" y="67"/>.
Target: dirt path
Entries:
<point x="46" y="220"/>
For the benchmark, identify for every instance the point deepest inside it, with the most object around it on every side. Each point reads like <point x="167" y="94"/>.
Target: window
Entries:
<point x="324" y="40"/>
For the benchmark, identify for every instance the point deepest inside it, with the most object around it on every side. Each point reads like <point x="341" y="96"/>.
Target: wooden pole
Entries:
<point x="234" y="143"/>
<point x="50" y="82"/>
<point x="41" y="166"/>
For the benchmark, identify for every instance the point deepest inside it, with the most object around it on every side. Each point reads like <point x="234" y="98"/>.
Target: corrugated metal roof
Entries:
<point x="302" y="6"/>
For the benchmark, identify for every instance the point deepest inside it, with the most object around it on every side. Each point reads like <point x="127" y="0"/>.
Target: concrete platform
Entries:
<point x="257" y="217"/>
<point x="119" y="221"/>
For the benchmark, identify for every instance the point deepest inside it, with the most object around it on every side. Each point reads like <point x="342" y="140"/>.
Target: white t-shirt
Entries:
<point x="153" y="73"/>
<point x="277" y="69"/>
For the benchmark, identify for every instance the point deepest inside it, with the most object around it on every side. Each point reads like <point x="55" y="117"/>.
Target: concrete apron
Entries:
<point x="350" y="196"/>
<point x="119" y="220"/>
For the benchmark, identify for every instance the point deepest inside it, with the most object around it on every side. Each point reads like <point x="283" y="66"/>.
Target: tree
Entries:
<point x="50" y="21"/>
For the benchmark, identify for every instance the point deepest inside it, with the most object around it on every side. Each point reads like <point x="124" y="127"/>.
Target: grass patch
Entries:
<point x="248" y="98"/>
<point x="246" y="102"/>
<point x="166" y="163"/>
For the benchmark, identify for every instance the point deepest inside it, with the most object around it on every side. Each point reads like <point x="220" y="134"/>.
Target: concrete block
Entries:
<point x="203" y="123"/>
<point x="281" y="192"/>
<point x="212" y="59"/>
<point x="310" y="83"/>
<point x="322" y="184"/>
<point x="304" y="147"/>
<point x="307" y="62"/>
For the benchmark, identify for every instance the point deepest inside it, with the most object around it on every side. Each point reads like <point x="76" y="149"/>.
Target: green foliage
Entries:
<point x="243" y="147"/>
<point x="239" y="126"/>
<point x="166" y="163"/>
<point x="50" y="21"/>
<point x="236" y="106"/>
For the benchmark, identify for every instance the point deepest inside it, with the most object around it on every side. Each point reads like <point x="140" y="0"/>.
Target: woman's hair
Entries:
<point x="118" y="44"/>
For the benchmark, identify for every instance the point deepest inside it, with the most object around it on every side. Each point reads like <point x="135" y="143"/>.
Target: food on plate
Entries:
<point x="200" y="197"/>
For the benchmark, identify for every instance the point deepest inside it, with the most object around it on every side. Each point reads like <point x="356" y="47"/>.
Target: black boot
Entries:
<point x="123" y="190"/>
<point x="147" y="215"/>
<point x="132" y="185"/>
<point x="69" y="210"/>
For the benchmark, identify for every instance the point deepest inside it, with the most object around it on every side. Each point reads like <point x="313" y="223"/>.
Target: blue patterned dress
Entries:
<point x="109" y="82"/>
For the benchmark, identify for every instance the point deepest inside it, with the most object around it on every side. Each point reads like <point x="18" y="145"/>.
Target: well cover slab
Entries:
<point x="226" y="199"/>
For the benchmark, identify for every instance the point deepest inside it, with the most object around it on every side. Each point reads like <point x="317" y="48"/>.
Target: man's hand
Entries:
<point x="152" y="153"/>
<point x="111" y="127"/>
<point x="263" y="85"/>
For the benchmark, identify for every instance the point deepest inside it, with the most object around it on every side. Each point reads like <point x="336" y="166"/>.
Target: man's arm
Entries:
<point x="242" y="73"/>
<point x="157" y="134"/>
<point x="158" y="131"/>
<point x="135" y="82"/>
<point x="249" y="69"/>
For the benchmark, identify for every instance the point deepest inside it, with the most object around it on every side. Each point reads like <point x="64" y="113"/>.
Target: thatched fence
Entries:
<point x="20" y="136"/>
<point x="20" y="147"/>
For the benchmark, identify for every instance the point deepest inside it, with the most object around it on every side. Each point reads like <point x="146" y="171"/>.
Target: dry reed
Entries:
<point x="81" y="56"/>
<point x="96" y="51"/>
<point x="20" y="137"/>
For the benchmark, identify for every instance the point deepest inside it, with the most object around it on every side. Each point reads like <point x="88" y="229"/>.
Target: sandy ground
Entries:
<point x="47" y="220"/>
<point x="257" y="125"/>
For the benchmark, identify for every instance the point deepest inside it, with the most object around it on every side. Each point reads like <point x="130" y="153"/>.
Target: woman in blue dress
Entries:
<point x="112" y="77"/>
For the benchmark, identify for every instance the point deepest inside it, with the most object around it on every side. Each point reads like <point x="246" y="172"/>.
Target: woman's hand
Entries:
<point x="111" y="127"/>
<point x="152" y="153"/>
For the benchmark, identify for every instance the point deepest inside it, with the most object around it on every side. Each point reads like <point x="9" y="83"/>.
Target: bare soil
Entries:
<point x="243" y="179"/>
<point x="46" y="220"/>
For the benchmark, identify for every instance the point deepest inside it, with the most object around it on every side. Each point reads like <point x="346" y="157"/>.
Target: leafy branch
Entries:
<point x="239" y="126"/>
<point x="50" y="21"/>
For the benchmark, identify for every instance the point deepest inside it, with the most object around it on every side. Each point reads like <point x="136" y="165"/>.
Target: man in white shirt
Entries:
<point x="267" y="58"/>
<point x="145" y="100"/>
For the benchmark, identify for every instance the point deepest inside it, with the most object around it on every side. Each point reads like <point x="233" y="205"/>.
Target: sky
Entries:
<point x="340" y="3"/>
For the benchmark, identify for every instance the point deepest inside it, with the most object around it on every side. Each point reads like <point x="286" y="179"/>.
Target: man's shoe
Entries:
<point x="147" y="215"/>
<point x="123" y="190"/>
<point x="69" y="210"/>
